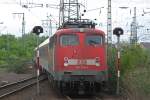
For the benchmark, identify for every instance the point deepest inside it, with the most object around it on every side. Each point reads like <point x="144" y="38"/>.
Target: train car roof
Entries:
<point x="43" y="43"/>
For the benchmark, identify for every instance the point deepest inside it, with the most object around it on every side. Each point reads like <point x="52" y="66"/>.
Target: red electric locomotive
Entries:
<point x="75" y="57"/>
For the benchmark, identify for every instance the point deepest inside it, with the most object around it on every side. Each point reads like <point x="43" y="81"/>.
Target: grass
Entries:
<point x="136" y="71"/>
<point x="16" y="65"/>
<point x="138" y="82"/>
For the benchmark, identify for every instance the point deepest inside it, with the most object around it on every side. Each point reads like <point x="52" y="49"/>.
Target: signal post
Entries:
<point x="37" y="30"/>
<point x="118" y="31"/>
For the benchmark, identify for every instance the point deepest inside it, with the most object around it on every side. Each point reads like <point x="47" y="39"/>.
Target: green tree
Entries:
<point x="16" y="51"/>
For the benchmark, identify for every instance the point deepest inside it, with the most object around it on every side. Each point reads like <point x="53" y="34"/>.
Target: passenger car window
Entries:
<point x="94" y="40"/>
<point x="69" y="40"/>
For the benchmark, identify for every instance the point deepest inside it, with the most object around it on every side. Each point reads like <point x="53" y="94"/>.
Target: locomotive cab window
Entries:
<point x="94" y="40"/>
<point x="69" y="40"/>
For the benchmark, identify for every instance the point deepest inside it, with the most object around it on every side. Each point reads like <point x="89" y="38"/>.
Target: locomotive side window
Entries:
<point x="94" y="40"/>
<point x="69" y="40"/>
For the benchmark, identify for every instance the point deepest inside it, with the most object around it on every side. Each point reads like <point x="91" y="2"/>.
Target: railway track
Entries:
<point x="101" y="96"/>
<point x="96" y="98"/>
<point x="12" y="88"/>
<point x="84" y="98"/>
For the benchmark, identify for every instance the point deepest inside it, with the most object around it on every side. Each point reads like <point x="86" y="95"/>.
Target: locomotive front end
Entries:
<point x="81" y="60"/>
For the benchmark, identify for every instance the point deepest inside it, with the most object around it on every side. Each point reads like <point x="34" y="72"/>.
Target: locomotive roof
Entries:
<point x="86" y="30"/>
<point x="78" y="23"/>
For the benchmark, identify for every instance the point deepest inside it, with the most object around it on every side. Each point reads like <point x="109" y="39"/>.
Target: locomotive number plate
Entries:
<point x="81" y="62"/>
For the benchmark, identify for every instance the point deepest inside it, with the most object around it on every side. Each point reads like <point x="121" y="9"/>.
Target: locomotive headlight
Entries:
<point x="97" y="61"/>
<point x="65" y="61"/>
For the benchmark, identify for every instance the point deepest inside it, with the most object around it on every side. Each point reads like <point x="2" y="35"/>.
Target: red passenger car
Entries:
<point x="75" y="58"/>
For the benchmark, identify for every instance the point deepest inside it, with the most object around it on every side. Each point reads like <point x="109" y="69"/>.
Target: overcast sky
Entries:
<point x="120" y="17"/>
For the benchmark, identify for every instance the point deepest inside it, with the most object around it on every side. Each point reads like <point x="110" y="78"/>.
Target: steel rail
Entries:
<point x="98" y="98"/>
<point x="13" y="83"/>
<point x="18" y="86"/>
<point x="68" y="98"/>
<point x="91" y="98"/>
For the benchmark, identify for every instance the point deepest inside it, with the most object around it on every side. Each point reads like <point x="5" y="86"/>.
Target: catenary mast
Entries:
<point x="109" y="24"/>
<point x="133" y="37"/>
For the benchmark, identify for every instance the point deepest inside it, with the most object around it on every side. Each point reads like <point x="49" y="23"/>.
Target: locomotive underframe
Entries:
<point x="81" y="82"/>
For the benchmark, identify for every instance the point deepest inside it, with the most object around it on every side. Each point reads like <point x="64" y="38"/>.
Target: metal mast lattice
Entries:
<point x="109" y="24"/>
<point x="69" y="9"/>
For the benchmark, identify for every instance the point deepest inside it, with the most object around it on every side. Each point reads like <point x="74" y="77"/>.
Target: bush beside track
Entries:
<point x="135" y="71"/>
<point x="14" y="55"/>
